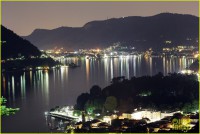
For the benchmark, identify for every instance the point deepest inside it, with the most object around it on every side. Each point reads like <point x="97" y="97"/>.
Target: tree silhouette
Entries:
<point x="95" y="91"/>
<point x="111" y="103"/>
<point x="81" y="101"/>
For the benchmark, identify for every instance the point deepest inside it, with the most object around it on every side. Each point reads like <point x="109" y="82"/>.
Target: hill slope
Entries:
<point x="17" y="53"/>
<point x="14" y="46"/>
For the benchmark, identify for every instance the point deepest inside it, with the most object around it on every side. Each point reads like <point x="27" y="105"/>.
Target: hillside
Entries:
<point x="140" y="32"/>
<point x="18" y="54"/>
<point x="14" y="46"/>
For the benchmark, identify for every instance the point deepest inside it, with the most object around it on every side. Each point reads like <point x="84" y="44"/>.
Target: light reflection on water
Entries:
<point x="23" y="86"/>
<point x="37" y="91"/>
<point x="94" y="72"/>
<point x="87" y="65"/>
<point x="13" y="88"/>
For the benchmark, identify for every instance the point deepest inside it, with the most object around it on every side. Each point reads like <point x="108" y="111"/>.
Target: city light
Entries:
<point x="45" y="113"/>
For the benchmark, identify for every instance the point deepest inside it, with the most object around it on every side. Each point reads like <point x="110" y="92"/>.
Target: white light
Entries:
<point x="187" y="71"/>
<point x="45" y="113"/>
<point x="136" y="115"/>
<point x="107" y="119"/>
<point x="105" y="55"/>
<point x="98" y="114"/>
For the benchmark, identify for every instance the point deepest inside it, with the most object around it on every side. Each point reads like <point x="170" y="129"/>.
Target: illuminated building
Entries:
<point x="152" y="115"/>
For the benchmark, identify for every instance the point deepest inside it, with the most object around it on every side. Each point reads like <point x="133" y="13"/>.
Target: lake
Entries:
<point x="35" y="92"/>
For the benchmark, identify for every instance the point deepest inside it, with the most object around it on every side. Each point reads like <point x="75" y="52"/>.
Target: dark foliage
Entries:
<point x="81" y="101"/>
<point x="171" y="92"/>
<point x="95" y="91"/>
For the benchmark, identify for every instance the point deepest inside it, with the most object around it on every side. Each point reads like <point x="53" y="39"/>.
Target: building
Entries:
<point x="151" y="115"/>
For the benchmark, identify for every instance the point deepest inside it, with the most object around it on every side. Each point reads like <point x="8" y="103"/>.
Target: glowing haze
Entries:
<point x="24" y="17"/>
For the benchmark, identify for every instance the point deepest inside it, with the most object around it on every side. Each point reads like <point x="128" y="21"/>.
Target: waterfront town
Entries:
<point x="139" y="120"/>
<point x="114" y="51"/>
<point x="119" y="50"/>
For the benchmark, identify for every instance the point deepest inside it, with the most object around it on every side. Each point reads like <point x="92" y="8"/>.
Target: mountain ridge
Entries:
<point x="175" y="27"/>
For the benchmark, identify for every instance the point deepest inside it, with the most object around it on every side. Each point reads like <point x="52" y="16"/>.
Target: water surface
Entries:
<point x="35" y="92"/>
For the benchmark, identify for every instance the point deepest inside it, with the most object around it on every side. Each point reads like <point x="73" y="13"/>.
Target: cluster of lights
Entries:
<point x="187" y="71"/>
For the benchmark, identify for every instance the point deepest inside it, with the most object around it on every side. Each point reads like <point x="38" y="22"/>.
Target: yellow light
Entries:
<point x="196" y="55"/>
<point x="57" y="52"/>
<point x="107" y="119"/>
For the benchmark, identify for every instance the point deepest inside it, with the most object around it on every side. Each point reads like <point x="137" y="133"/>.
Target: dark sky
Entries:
<point x="24" y="17"/>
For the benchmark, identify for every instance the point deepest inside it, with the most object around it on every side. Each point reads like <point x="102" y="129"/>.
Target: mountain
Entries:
<point x="18" y="53"/>
<point x="140" y="32"/>
<point x="14" y="46"/>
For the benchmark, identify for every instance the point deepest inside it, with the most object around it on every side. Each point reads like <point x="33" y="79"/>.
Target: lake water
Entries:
<point x="35" y="92"/>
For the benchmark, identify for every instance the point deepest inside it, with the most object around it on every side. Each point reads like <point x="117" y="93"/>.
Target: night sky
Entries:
<point x="24" y="17"/>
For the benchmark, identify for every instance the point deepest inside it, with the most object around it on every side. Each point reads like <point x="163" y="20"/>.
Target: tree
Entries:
<point x="117" y="79"/>
<point x="77" y="113"/>
<point x="187" y="107"/>
<point x="81" y="101"/>
<point x="89" y="107"/>
<point x="111" y="103"/>
<point x="151" y="105"/>
<point x="195" y="105"/>
<point x="95" y="91"/>
<point x="5" y="110"/>
<point x="94" y="104"/>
